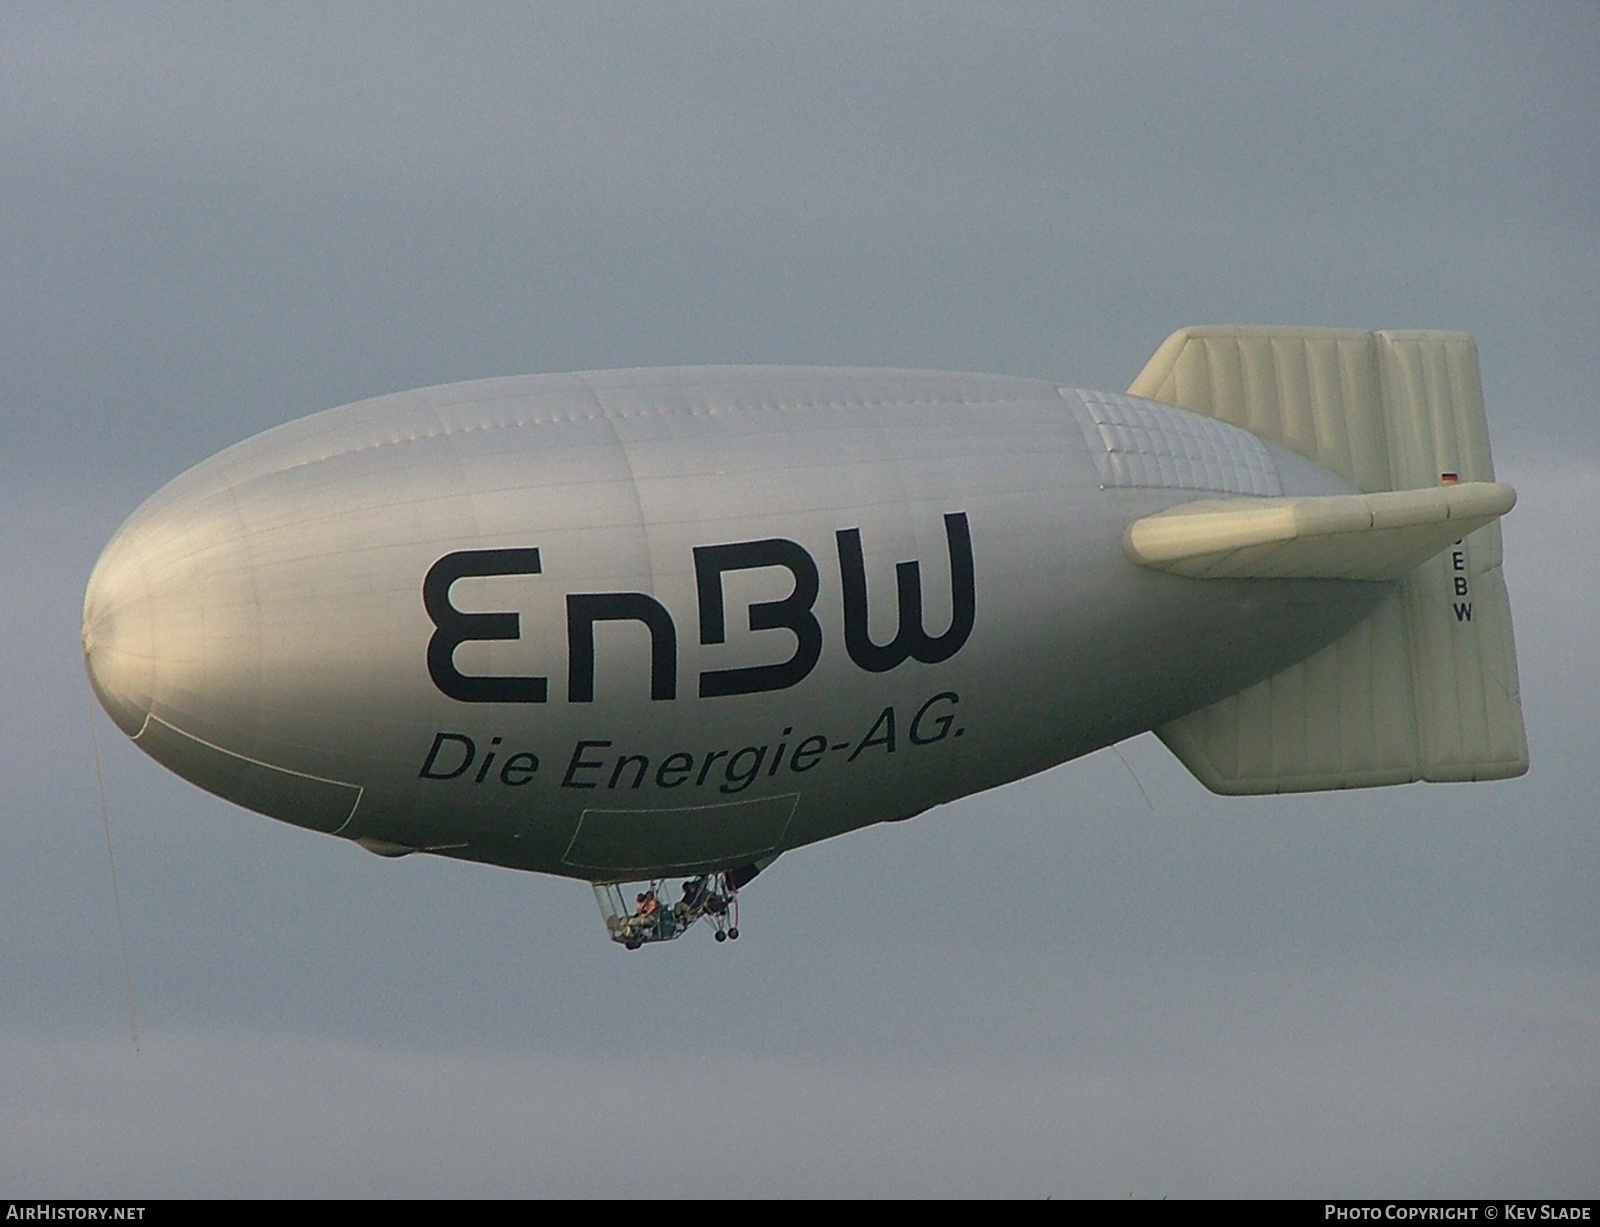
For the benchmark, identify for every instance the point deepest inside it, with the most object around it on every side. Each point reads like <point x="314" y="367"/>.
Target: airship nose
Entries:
<point x="119" y="635"/>
<point x="170" y="629"/>
<point x="174" y="644"/>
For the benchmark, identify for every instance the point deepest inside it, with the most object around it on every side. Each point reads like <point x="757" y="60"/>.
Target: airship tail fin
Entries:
<point x="1383" y="536"/>
<point x="1424" y="689"/>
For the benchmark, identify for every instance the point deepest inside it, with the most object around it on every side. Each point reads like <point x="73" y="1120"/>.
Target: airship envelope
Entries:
<point x="638" y="625"/>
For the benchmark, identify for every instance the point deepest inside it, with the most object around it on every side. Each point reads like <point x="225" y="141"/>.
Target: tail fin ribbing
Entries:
<point x="1424" y="689"/>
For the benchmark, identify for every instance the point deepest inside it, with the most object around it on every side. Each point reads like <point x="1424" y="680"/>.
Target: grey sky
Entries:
<point x="214" y="219"/>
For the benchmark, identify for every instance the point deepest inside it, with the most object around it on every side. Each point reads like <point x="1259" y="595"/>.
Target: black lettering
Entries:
<point x="911" y="639"/>
<point x="678" y="766"/>
<point x="793" y="613"/>
<point x="585" y="609"/>
<point x="579" y="763"/>
<point x="638" y="776"/>
<point x="466" y="743"/>
<point x="808" y="753"/>
<point x="705" y="767"/>
<point x="452" y="628"/>
<point x="739" y="780"/>
<point x="884" y="721"/>
<point x="522" y="766"/>
<point x="1458" y="560"/>
<point x="1461" y="585"/>
<point x="943" y="722"/>
<point x="487" y="760"/>
<point x="777" y="756"/>
<point x="1463" y="611"/>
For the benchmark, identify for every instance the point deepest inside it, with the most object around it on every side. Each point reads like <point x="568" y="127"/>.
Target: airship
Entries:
<point x="650" y="629"/>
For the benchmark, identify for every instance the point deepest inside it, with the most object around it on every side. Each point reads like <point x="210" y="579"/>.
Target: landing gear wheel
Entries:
<point x="721" y="936"/>
<point x="633" y="943"/>
<point x="734" y="933"/>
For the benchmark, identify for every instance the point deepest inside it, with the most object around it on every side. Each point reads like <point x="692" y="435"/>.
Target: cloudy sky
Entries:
<point x="217" y="218"/>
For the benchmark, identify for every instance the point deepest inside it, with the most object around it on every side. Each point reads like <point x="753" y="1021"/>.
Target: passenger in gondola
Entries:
<point x="683" y="911"/>
<point x="646" y="918"/>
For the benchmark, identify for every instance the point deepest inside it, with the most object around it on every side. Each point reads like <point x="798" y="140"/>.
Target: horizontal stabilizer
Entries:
<point x="1426" y="687"/>
<point x="1380" y="536"/>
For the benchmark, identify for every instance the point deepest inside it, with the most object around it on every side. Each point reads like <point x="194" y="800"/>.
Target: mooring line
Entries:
<point x="1118" y="752"/>
<point x="116" y="891"/>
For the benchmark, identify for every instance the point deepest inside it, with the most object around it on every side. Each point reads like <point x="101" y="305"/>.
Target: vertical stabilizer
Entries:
<point x="1424" y="689"/>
